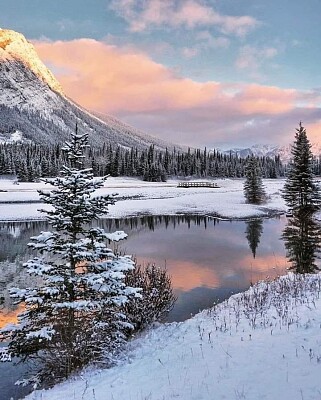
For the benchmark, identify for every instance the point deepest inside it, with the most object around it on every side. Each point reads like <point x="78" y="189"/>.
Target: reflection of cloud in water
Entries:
<point x="192" y="274"/>
<point x="187" y="275"/>
<point x="7" y="317"/>
<point x="264" y="265"/>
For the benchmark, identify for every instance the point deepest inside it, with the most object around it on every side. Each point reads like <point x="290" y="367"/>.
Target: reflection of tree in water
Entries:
<point x="14" y="237"/>
<point x="302" y="238"/>
<point x="151" y="222"/>
<point x="254" y="229"/>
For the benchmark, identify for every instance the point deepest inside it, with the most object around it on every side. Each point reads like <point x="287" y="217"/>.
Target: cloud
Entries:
<point x="252" y="58"/>
<point x="189" y="14"/>
<point x="265" y="100"/>
<point x="106" y="78"/>
<point x="130" y="85"/>
<point x="189" y="52"/>
<point x="314" y="130"/>
<point x="207" y="40"/>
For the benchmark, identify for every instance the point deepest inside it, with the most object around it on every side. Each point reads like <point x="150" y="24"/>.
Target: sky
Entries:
<point x="215" y="73"/>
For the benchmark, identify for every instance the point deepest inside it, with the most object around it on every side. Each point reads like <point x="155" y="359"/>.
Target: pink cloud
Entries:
<point x="152" y="97"/>
<point x="108" y="79"/>
<point x="173" y="13"/>
<point x="314" y="130"/>
<point x="265" y="100"/>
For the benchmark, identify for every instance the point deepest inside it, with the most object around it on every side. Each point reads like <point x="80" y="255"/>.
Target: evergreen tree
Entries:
<point x="300" y="192"/>
<point x="76" y="315"/>
<point x="22" y="171"/>
<point x="253" y="187"/>
<point x="116" y="163"/>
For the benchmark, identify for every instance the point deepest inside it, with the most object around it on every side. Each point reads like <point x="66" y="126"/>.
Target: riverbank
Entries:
<point x="261" y="344"/>
<point x="135" y="197"/>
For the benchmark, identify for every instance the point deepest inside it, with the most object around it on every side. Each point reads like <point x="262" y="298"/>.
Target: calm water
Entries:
<point x="207" y="259"/>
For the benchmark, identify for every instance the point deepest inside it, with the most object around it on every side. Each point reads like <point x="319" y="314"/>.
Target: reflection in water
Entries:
<point x="207" y="259"/>
<point x="302" y="241"/>
<point x="154" y="222"/>
<point x="254" y="229"/>
<point x="199" y="252"/>
<point x="15" y="236"/>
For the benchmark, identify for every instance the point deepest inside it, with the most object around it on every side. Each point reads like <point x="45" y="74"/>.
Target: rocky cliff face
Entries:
<point x="33" y="103"/>
<point x="16" y="50"/>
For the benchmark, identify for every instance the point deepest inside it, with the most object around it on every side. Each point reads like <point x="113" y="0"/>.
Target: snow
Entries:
<point x="261" y="344"/>
<point x="136" y="197"/>
<point x="268" y="150"/>
<point x="15" y="137"/>
<point x="4" y="354"/>
<point x="44" y="333"/>
<point x="116" y="236"/>
<point x="14" y="46"/>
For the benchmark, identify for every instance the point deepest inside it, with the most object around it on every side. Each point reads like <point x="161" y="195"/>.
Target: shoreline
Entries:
<point x="268" y="215"/>
<point x="137" y="198"/>
<point x="210" y="352"/>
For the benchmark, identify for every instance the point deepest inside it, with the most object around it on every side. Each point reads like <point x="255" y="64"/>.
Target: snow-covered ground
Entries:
<point x="261" y="344"/>
<point x="137" y="197"/>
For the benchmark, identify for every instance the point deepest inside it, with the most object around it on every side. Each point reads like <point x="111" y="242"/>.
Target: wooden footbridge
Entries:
<point x="198" y="184"/>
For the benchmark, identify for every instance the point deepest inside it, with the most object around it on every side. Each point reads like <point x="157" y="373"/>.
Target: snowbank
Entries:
<point x="138" y="198"/>
<point x="261" y="344"/>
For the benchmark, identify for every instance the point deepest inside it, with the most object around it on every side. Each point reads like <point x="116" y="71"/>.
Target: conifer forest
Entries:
<point x="30" y="162"/>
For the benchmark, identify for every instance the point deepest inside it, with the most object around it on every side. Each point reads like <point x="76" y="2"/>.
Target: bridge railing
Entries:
<point x="197" y="184"/>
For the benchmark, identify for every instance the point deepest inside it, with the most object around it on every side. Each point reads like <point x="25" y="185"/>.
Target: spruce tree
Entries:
<point x="300" y="192"/>
<point x="253" y="187"/>
<point x="76" y="314"/>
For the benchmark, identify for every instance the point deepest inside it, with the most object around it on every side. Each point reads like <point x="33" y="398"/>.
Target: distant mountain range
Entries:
<point x="34" y="107"/>
<point x="266" y="150"/>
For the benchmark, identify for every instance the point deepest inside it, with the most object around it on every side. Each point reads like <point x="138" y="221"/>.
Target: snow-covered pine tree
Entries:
<point x="253" y="187"/>
<point x="75" y="316"/>
<point x="300" y="192"/>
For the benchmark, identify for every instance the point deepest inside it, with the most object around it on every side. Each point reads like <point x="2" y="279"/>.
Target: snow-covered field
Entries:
<point x="261" y="344"/>
<point x="137" y="197"/>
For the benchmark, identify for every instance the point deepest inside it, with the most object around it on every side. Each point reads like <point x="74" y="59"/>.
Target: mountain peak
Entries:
<point x="268" y="150"/>
<point x="33" y="107"/>
<point x="15" y="47"/>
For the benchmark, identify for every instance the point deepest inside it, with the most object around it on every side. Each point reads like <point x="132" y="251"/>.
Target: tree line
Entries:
<point x="30" y="162"/>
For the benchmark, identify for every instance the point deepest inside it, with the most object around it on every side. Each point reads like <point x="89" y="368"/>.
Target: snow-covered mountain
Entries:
<point x="33" y="103"/>
<point x="266" y="150"/>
